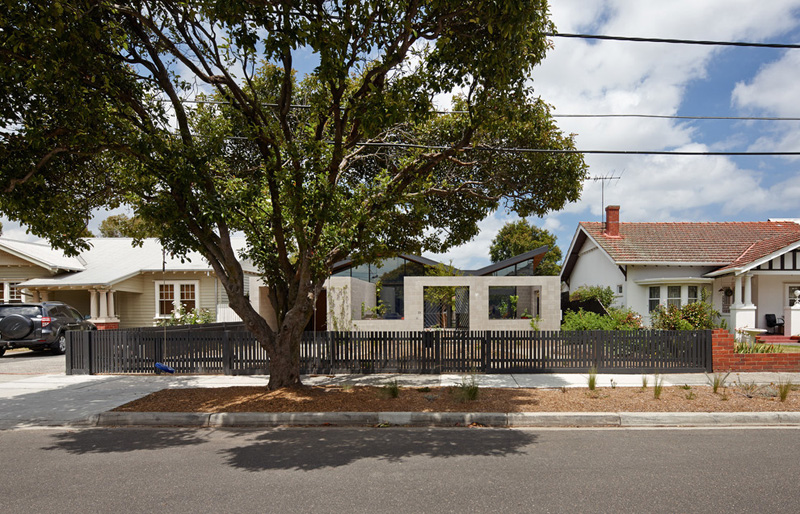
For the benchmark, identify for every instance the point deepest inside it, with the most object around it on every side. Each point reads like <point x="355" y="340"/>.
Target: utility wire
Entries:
<point x="672" y="41"/>
<point x="554" y="115"/>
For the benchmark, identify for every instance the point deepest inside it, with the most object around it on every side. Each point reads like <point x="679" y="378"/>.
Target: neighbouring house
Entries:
<point x="401" y="294"/>
<point x="118" y="284"/>
<point x="749" y="270"/>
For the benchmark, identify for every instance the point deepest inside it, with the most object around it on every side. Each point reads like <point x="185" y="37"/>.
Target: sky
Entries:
<point x="581" y="76"/>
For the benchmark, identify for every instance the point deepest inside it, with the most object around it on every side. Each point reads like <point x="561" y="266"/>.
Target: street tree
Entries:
<point x="99" y="108"/>
<point x="120" y="225"/>
<point x="519" y="237"/>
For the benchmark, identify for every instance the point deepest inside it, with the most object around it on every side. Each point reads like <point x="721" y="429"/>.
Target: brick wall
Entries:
<point x="725" y="359"/>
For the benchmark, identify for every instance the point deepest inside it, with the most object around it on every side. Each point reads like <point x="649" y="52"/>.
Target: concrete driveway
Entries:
<point x="26" y="362"/>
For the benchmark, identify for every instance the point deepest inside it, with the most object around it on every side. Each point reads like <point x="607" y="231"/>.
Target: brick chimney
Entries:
<point x="612" y="221"/>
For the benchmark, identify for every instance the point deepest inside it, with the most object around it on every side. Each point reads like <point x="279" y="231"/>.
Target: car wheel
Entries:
<point x="60" y="346"/>
<point x="2" y="351"/>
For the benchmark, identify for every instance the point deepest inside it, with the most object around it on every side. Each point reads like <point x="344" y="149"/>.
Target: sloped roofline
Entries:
<point x="33" y="259"/>
<point x="738" y="270"/>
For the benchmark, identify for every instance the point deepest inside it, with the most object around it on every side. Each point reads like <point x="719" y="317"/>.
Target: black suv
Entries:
<point x="39" y="326"/>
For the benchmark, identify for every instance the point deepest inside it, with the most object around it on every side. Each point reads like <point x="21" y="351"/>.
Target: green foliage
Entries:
<point x="748" y="347"/>
<point x="519" y="237"/>
<point x="535" y="323"/>
<point x="605" y="295"/>
<point x="121" y="225"/>
<point x="592" y="382"/>
<point x="658" y="386"/>
<point x="91" y="103"/>
<point x="391" y="390"/>
<point x="193" y="317"/>
<point x="784" y="388"/>
<point x="717" y="381"/>
<point x="467" y="391"/>
<point x="693" y="316"/>
<point x="617" y="319"/>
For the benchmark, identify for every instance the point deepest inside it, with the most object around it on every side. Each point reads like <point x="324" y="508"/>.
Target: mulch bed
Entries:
<point x="446" y="399"/>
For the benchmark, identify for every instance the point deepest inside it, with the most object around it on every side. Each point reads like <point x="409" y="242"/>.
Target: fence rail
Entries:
<point x="227" y="349"/>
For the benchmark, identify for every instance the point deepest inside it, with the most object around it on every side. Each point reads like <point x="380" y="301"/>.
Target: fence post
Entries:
<point x="90" y="351"/>
<point x="709" y="350"/>
<point x="485" y="352"/>
<point x="227" y="354"/>
<point x="330" y="336"/>
<point x="437" y="351"/>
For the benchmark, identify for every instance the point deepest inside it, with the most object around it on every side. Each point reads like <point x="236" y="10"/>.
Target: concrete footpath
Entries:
<point x="86" y="401"/>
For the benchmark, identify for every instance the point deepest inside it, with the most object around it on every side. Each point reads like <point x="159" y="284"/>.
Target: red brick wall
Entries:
<point x="725" y="359"/>
<point x="113" y="325"/>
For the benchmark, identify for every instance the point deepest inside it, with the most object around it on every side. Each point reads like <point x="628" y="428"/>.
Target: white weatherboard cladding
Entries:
<point x="595" y="268"/>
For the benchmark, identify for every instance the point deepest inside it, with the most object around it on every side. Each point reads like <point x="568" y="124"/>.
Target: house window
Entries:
<point x="11" y="293"/>
<point x="170" y="295"/>
<point x="691" y="296"/>
<point x="674" y="295"/>
<point x="791" y="297"/>
<point x="655" y="298"/>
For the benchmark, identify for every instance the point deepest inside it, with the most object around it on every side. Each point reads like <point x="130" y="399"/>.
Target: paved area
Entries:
<point x="57" y="399"/>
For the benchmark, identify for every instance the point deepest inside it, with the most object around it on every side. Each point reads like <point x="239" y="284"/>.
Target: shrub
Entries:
<point x="391" y="390"/>
<point x="746" y="347"/>
<point x="592" y="379"/>
<point x="604" y="295"/>
<point x="467" y="391"/>
<point x="693" y="316"/>
<point x="618" y="319"/>
<point x="193" y="317"/>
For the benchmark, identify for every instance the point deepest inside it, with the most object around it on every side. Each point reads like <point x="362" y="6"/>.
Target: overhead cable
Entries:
<point x="672" y="41"/>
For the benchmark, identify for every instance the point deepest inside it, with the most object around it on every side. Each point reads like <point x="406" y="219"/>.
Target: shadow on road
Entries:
<point x="123" y="440"/>
<point x="321" y="448"/>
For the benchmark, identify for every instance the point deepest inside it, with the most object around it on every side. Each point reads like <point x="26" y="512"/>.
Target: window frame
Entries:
<point x="177" y="296"/>
<point x="650" y="298"/>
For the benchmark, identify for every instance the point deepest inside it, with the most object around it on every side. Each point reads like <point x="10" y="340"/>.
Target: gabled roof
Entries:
<point x="114" y="259"/>
<point x="41" y="255"/>
<point x="724" y="245"/>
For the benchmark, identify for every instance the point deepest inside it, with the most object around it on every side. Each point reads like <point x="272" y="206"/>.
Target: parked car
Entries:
<point x="39" y="326"/>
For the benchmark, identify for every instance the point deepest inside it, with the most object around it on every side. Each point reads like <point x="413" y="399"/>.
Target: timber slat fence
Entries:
<point x="229" y="349"/>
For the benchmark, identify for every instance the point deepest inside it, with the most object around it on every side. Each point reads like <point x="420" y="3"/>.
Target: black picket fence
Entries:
<point x="231" y="350"/>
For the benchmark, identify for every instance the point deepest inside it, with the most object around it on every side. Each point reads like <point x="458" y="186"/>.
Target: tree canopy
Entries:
<point x="191" y="114"/>
<point x="519" y="237"/>
<point x="120" y="225"/>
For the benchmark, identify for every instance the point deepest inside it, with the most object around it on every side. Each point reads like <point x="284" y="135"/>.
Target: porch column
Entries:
<point x="111" y="313"/>
<point x="748" y="290"/>
<point x="35" y="296"/>
<point x="93" y="303"/>
<point x="45" y="296"/>
<point x="103" y="305"/>
<point x="6" y="292"/>
<point x="737" y="292"/>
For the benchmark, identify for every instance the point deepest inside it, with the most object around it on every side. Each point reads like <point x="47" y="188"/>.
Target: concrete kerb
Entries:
<point x="442" y="419"/>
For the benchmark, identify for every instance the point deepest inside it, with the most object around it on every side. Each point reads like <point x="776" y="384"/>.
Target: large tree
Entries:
<point x="98" y="106"/>
<point x="518" y="237"/>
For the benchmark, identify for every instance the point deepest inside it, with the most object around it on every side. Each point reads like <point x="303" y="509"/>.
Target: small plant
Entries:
<point x="686" y="387"/>
<point x="347" y="387"/>
<point x="563" y="389"/>
<point x="644" y="381"/>
<point x="658" y="386"/>
<point x="425" y="389"/>
<point x="535" y="323"/>
<point x="467" y="391"/>
<point x="690" y="395"/>
<point x="717" y="381"/>
<point x="784" y="388"/>
<point x="592" y="379"/>
<point x="613" y="384"/>
<point x="747" y="347"/>
<point x="391" y="390"/>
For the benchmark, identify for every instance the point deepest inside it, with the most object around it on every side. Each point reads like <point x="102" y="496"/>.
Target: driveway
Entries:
<point x="26" y="362"/>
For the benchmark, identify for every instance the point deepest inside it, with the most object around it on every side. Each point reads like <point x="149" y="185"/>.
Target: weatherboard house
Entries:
<point x="750" y="271"/>
<point x="117" y="284"/>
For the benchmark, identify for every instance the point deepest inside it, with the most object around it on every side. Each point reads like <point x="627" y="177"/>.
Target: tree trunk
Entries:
<point x="284" y="363"/>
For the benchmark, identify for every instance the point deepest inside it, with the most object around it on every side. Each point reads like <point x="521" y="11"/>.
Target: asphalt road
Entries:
<point x="399" y="470"/>
<point x="26" y="362"/>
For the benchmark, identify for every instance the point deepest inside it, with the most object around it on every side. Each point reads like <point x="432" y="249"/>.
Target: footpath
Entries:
<point x="57" y="400"/>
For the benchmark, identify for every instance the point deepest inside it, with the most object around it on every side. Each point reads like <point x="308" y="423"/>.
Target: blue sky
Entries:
<point x="608" y="77"/>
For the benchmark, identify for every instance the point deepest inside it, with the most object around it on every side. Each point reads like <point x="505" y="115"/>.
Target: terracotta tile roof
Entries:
<point x="723" y="244"/>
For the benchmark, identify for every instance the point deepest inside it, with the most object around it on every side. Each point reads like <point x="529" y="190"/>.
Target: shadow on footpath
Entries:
<point x="312" y="449"/>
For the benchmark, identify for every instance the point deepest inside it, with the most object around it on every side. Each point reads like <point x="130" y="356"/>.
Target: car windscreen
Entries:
<point x="30" y="311"/>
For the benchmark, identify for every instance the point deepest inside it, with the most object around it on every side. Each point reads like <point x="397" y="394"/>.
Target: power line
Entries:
<point x="673" y="41"/>
<point x="554" y="115"/>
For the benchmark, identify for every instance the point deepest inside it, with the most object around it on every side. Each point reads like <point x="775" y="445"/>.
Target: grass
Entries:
<point x="717" y="381"/>
<point x="391" y="390"/>
<point x="592" y="379"/>
<point x="784" y="388"/>
<point x="467" y="391"/>
<point x="658" y="386"/>
<point x="644" y="381"/>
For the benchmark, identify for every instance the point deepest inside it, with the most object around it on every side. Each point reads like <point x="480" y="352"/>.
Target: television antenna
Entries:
<point x="602" y="181"/>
